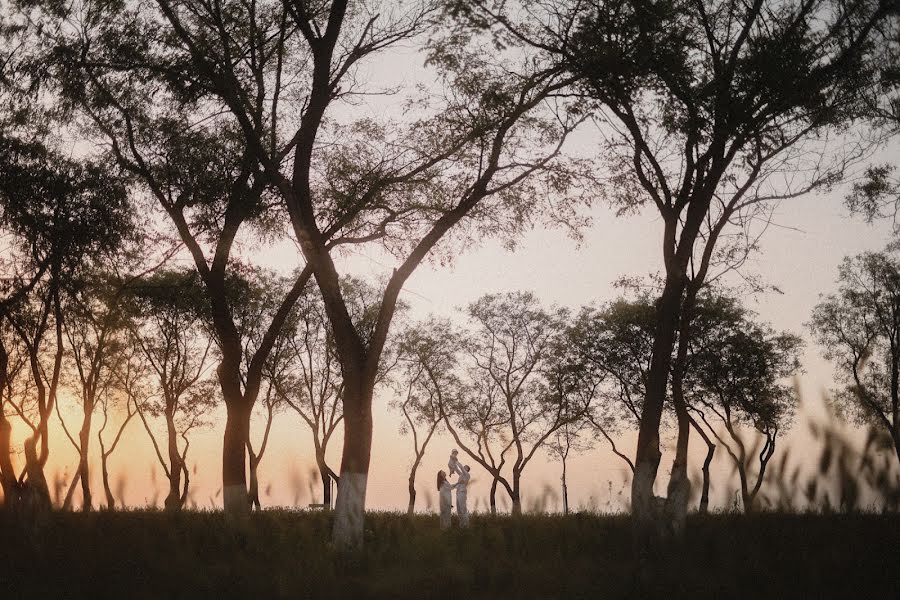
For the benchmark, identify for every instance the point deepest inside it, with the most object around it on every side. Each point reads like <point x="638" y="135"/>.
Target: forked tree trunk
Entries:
<point x="678" y="248"/>
<point x="565" y="489"/>
<point x="349" y="509"/>
<point x="37" y="483"/>
<point x="254" y="484"/>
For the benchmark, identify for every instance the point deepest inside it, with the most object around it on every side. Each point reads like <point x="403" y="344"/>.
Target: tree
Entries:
<point x="61" y="215"/>
<point x="712" y="110"/>
<point x="735" y="373"/>
<point x="730" y="373"/>
<point x="615" y="341"/>
<point x="95" y="333"/>
<point x="133" y="100"/>
<point x="270" y="74"/>
<point x="167" y="372"/>
<point x="859" y="327"/>
<point x="510" y="406"/>
<point x="425" y="380"/>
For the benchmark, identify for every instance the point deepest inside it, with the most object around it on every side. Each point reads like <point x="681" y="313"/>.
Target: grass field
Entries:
<point x="281" y="554"/>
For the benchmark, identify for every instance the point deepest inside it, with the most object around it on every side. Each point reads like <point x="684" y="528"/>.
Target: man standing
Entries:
<point x="462" y="484"/>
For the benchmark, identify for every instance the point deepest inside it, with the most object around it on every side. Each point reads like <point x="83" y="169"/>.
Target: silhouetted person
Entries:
<point x="444" y="490"/>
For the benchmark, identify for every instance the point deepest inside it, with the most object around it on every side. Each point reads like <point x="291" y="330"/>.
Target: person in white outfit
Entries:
<point x="445" y="488"/>
<point x="462" y="485"/>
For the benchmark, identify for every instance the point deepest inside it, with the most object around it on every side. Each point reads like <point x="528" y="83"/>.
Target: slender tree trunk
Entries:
<point x="412" y="485"/>
<point x="679" y="489"/>
<point x="351" y="497"/>
<point x="324" y="475"/>
<point x="565" y="489"/>
<point x="411" y="507"/>
<point x="84" y="436"/>
<point x="104" y="466"/>
<point x="254" y="483"/>
<point x="67" y="503"/>
<point x="173" y="498"/>
<point x="493" y="497"/>
<point x="710" y="451"/>
<point x="7" y="473"/>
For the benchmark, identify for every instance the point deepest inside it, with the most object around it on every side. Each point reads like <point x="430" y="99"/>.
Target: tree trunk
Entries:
<point x="67" y="503"/>
<point x="351" y="497"/>
<point x="493" y="497"/>
<point x="710" y="451"/>
<point x="516" y="497"/>
<point x="84" y="437"/>
<point x="7" y="473"/>
<point x="254" y="484"/>
<point x="37" y="483"/>
<point x="325" y="476"/>
<point x="643" y="501"/>
<point x="565" y="490"/>
<point x="104" y="466"/>
<point x="411" y="507"/>
<point x="173" y="501"/>
<point x="412" y="484"/>
<point x="234" y="451"/>
<point x="679" y="489"/>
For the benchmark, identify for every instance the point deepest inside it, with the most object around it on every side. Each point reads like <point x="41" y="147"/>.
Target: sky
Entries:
<point x="799" y="255"/>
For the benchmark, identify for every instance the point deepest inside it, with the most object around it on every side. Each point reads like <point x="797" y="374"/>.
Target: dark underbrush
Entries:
<point x="283" y="554"/>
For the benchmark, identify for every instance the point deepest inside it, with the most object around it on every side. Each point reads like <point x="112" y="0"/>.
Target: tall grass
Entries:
<point x="285" y="554"/>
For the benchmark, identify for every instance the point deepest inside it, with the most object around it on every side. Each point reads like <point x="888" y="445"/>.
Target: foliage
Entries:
<point x="859" y="328"/>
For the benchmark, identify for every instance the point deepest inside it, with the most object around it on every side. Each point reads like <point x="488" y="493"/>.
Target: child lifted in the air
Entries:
<point x="453" y="462"/>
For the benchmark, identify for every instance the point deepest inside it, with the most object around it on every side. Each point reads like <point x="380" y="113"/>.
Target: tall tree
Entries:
<point x="425" y="380"/>
<point x="859" y="327"/>
<point x="511" y="405"/>
<point x="269" y="74"/>
<point x="711" y="109"/>
<point x="61" y="216"/>
<point x="167" y="374"/>
<point x="95" y="331"/>
<point x="736" y="376"/>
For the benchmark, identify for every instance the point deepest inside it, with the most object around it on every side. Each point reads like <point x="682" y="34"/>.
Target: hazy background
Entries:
<point x="800" y="255"/>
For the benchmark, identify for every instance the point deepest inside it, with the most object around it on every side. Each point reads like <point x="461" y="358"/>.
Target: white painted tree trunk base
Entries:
<point x="349" y="510"/>
<point x="235" y="502"/>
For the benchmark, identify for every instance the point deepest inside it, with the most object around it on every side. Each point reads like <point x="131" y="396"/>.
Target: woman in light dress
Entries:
<point x="444" y="492"/>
